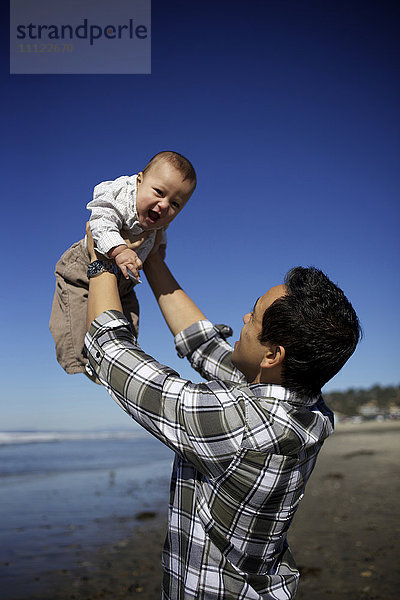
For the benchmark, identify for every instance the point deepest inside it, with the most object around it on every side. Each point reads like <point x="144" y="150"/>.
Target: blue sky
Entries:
<point x="289" y="112"/>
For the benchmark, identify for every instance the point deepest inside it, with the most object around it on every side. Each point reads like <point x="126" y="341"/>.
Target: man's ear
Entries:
<point x="273" y="357"/>
<point x="139" y="177"/>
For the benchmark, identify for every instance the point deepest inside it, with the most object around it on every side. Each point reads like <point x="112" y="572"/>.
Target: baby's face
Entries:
<point x="161" y="195"/>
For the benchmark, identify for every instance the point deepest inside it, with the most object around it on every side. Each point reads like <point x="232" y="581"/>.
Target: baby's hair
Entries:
<point x="182" y="164"/>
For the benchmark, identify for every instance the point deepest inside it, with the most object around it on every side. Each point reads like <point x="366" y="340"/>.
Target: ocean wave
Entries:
<point x="42" y="437"/>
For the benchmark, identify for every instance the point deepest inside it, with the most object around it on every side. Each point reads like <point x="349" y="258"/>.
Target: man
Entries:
<point x="246" y="442"/>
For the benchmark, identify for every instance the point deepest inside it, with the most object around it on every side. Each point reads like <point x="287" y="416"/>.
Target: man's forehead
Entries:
<point x="269" y="297"/>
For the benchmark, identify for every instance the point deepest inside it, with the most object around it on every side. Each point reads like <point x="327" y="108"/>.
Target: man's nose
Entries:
<point x="246" y="318"/>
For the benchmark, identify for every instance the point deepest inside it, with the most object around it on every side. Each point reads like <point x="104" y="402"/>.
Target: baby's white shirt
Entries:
<point x="113" y="208"/>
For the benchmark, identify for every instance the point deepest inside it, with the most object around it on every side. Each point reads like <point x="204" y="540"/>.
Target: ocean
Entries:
<point x="65" y="493"/>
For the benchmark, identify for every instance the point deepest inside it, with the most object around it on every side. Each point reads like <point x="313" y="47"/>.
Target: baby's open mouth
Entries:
<point x="153" y="215"/>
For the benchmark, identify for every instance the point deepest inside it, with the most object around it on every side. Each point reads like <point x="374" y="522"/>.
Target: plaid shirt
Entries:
<point x="243" y="454"/>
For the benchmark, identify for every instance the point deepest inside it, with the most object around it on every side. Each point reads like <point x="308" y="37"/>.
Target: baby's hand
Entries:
<point x="128" y="259"/>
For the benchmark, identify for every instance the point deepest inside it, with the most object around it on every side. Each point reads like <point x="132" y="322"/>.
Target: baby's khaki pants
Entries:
<point x="68" y="314"/>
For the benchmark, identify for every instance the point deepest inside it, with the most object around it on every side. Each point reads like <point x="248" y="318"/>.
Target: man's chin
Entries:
<point x="235" y="360"/>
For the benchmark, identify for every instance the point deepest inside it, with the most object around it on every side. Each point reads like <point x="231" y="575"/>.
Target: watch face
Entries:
<point x="99" y="266"/>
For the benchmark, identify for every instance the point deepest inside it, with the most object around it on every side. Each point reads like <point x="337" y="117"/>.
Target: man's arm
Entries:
<point x="177" y="308"/>
<point x="103" y="295"/>
<point x="103" y="290"/>
<point x="203" y="344"/>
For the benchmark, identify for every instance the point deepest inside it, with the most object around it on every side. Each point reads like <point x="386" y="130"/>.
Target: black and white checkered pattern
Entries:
<point x="243" y="456"/>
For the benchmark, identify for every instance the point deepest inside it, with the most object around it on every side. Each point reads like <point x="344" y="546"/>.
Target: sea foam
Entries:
<point x="39" y="437"/>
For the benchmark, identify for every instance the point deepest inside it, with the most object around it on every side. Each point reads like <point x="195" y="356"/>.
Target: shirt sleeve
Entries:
<point x="112" y="205"/>
<point x="204" y="423"/>
<point x="207" y="350"/>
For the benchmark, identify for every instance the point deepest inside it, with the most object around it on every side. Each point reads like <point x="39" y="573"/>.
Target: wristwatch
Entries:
<point x="97" y="267"/>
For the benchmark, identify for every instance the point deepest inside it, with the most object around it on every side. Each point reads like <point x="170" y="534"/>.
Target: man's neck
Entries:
<point x="268" y="376"/>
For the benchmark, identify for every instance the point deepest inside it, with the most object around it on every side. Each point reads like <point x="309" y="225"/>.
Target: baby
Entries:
<point x="140" y="205"/>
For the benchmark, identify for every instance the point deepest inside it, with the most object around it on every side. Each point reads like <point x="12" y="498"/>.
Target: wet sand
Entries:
<point x="345" y="536"/>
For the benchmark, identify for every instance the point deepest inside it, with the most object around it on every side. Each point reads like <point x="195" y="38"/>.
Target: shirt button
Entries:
<point x="97" y="354"/>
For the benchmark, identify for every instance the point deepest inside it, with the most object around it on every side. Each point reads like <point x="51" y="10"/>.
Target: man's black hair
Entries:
<point x="317" y="326"/>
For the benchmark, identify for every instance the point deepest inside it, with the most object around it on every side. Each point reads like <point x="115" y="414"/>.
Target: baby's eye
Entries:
<point x="175" y="205"/>
<point x="159" y="192"/>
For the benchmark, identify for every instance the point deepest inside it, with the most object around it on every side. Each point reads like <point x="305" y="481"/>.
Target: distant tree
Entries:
<point x="349" y="402"/>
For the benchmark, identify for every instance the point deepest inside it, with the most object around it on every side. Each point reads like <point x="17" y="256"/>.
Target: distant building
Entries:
<point x="368" y="410"/>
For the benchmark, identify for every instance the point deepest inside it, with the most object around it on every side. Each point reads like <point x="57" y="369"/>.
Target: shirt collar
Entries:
<point x="278" y="392"/>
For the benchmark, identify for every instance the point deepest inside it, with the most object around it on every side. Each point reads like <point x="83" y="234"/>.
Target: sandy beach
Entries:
<point x="345" y="536"/>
